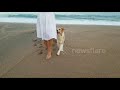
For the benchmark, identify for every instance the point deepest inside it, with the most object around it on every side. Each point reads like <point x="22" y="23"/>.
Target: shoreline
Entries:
<point x="61" y="24"/>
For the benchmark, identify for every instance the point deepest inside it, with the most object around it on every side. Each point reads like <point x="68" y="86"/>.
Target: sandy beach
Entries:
<point x="90" y="51"/>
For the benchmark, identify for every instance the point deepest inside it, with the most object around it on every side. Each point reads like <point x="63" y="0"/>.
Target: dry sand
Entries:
<point x="20" y="59"/>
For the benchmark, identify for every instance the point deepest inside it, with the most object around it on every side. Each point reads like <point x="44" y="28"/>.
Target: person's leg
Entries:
<point x="49" y="49"/>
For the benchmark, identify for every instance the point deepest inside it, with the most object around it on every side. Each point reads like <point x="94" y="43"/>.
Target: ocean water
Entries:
<point x="84" y="18"/>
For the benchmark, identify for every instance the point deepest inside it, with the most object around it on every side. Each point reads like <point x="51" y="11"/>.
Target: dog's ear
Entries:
<point x="62" y="30"/>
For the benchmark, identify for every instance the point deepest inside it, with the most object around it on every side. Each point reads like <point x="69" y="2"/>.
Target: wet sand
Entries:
<point x="19" y="58"/>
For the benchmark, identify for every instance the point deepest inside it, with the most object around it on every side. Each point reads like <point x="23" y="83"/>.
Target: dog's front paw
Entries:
<point x="58" y="54"/>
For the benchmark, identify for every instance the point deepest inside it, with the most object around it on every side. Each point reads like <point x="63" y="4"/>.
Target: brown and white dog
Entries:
<point x="60" y="39"/>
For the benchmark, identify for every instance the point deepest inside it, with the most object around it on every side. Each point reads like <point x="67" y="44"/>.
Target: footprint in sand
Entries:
<point x="34" y="44"/>
<point x="40" y="47"/>
<point x="41" y="52"/>
<point x="34" y="40"/>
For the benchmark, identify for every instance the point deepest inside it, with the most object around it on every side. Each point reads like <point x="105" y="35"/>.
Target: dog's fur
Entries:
<point x="60" y="39"/>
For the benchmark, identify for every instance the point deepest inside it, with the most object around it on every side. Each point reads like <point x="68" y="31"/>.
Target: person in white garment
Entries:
<point x="46" y="29"/>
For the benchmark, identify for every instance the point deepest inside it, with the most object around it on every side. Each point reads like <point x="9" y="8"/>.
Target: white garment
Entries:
<point x="46" y="26"/>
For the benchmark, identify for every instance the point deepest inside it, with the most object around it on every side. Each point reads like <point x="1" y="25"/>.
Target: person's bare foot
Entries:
<point x="48" y="56"/>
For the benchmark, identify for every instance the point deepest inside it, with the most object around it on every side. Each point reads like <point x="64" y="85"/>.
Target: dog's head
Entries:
<point x="60" y="30"/>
